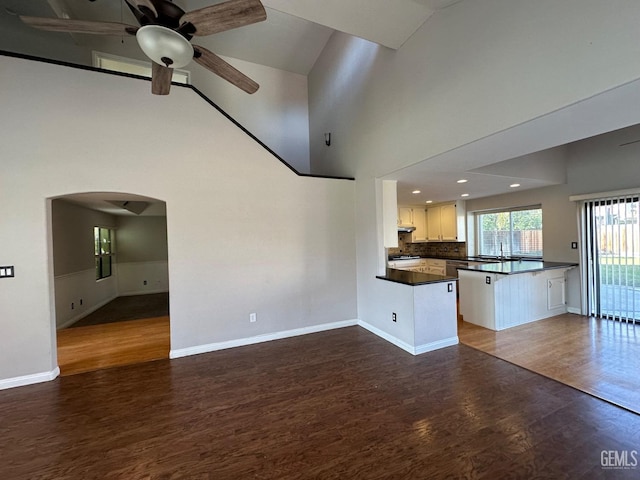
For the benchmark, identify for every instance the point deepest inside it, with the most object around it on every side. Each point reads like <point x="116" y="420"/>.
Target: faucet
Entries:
<point x="501" y="252"/>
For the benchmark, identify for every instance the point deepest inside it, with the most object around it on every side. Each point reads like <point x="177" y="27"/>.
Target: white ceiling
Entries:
<point x="102" y="201"/>
<point x="439" y="183"/>
<point x="291" y="38"/>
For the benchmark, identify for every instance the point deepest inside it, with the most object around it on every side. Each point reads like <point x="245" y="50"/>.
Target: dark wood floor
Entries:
<point x="127" y="308"/>
<point x="342" y="404"/>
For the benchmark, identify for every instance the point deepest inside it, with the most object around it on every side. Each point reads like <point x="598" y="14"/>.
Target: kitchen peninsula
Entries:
<point x="510" y="293"/>
<point x="422" y="308"/>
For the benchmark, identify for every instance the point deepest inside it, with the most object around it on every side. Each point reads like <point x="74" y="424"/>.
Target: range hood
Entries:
<point x="405" y="228"/>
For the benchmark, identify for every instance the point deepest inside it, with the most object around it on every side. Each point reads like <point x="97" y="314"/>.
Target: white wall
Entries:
<point x="76" y="291"/>
<point x="277" y="114"/>
<point x="473" y="69"/>
<point x="142" y="255"/>
<point x="245" y="233"/>
<point x="479" y="82"/>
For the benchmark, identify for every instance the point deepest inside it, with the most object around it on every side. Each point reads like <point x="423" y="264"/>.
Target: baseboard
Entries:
<point x="575" y="310"/>
<point x="142" y="292"/>
<point x="29" y="379"/>
<point x="241" y="342"/>
<point x="79" y="317"/>
<point x="389" y="338"/>
<point x="429" y="347"/>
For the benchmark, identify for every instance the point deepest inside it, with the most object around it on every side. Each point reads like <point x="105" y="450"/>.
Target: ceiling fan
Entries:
<point x="165" y="32"/>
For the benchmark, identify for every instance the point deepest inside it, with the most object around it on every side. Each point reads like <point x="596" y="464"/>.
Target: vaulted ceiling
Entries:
<point x="291" y="39"/>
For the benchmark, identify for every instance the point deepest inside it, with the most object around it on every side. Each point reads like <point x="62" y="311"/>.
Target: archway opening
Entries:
<point x="111" y="280"/>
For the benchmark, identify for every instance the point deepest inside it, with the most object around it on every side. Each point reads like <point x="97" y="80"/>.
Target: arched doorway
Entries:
<point x="111" y="281"/>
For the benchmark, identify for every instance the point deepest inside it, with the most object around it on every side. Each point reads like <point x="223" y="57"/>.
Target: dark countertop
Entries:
<point x="407" y="277"/>
<point x="514" y="267"/>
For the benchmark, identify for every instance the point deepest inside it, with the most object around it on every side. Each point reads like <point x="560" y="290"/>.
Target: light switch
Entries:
<point x="7" y="272"/>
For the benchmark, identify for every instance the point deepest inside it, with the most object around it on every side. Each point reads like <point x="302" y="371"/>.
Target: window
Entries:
<point x="515" y="232"/>
<point x="115" y="63"/>
<point x="103" y="251"/>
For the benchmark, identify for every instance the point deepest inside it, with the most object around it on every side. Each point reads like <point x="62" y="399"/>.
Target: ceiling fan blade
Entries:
<point x="148" y="4"/>
<point x="225" y="16"/>
<point x="215" y="64"/>
<point x="79" y="26"/>
<point x="160" y="79"/>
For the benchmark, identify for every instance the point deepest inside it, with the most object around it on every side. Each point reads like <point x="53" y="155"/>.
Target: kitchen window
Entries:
<point x="103" y="251"/>
<point x="513" y="232"/>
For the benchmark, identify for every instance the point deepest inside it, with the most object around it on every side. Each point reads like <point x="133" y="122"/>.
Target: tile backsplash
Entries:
<point x="437" y="249"/>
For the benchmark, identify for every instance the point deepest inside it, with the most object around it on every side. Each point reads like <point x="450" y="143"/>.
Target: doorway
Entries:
<point x="611" y="254"/>
<point x="111" y="282"/>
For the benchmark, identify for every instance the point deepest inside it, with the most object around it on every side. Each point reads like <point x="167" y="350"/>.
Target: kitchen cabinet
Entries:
<point x="446" y="223"/>
<point x="415" y="217"/>
<point x="503" y="300"/>
<point x="405" y="216"/>
<point x="413" y="265"/>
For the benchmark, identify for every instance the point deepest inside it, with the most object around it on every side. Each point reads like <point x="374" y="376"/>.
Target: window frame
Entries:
<point x="130" y="66"/>
<point x="478" y="230"/>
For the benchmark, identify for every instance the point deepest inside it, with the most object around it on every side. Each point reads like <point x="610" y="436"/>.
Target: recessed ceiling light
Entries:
<point x="464" y="195"/>
<point x="429" y="201"/>
<point x="416" y="192"/>
<point x="462" y="180"/>
<point x="514" y="185"/>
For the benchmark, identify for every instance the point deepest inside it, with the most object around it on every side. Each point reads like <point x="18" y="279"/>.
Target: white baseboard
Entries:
<point x="89" y="311"/>
<point x="29" y="379"/>
<point x="429" y="347"/>
<point x="389" y="338"/>
<point x="142" y="292"/>
<point x="575" y="310"/>
<point x="212" y="347"/>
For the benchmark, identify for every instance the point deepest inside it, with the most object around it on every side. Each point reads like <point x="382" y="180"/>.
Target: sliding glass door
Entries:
<point x="612" y="241"/>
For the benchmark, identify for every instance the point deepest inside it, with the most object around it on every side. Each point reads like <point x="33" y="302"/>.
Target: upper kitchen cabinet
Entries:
<point x="405" y="216"/>
<point x="414" y="217"/>
<point x="446" y="222"/>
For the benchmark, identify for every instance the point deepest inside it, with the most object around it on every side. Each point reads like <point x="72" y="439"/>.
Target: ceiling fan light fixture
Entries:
<point x="164" y="46"/>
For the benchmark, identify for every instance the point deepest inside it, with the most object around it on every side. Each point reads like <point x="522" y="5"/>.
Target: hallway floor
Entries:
<point x="95" y="347"/>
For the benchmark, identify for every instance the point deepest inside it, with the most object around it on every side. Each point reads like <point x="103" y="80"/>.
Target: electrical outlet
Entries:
<point x="253" y="317"/>
<point x="80" y="301"/>
<point x="394" y="317"/>
<point x="7" y="272"/>
<point x="574" y="245"/>
<point x="72" y="306"/>
<point x="487" y="280"/>
<point x="144" y="282"/>
<point x="450" y="287"/>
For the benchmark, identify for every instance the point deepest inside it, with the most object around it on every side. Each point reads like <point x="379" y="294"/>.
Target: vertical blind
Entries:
<point x="611" y="256"/>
